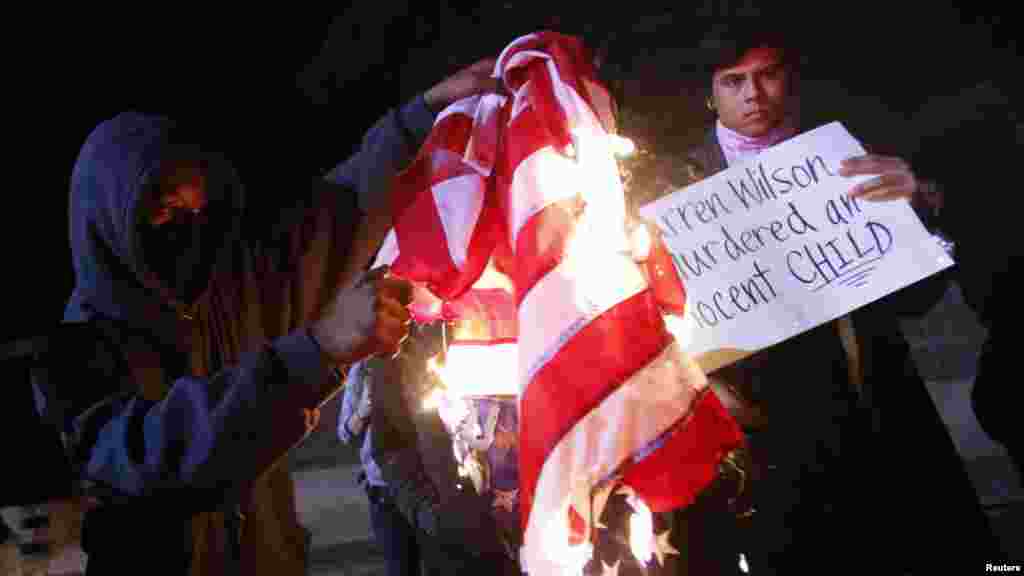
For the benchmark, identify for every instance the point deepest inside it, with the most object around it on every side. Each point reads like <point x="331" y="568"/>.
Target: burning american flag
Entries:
<point x="513" y="217"/>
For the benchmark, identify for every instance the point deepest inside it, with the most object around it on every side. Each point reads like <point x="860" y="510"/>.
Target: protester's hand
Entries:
<point x="368" y="317"/>
<point x="470" y="81"/>
<point x="894" y="179"/>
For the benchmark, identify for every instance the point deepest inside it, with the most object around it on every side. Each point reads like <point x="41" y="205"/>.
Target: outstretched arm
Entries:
<point x="208" y="435"/>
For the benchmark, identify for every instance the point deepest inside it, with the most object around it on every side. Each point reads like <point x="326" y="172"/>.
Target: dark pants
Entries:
<point x="398" y="539"/>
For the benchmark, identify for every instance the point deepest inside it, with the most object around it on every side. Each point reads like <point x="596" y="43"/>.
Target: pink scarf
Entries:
<point x="737" y="147"/>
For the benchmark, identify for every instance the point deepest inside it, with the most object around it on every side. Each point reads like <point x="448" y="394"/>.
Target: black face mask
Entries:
<point x="182" y="254"/>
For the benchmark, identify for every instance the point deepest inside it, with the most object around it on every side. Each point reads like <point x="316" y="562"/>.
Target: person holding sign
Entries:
<point x="841" y="429"/>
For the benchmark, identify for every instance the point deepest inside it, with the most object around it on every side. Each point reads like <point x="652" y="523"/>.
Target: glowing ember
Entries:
<point x="641" y="532"/>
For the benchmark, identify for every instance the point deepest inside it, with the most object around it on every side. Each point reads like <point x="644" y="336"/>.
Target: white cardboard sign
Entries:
<point x="773" y="246"/>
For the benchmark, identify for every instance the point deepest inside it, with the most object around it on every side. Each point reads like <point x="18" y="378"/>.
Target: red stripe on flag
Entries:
<point x="481" y="246"/>
<point x="420" y="226"/>
<point x="668" y="287"/>
<point x="439" y="159"/>
<point x="524" y="136"/>
<point x="589" y="367"/>
<point x="423" y="255"/>
<point x="546" y="106"/>
<point x="451" y="133"/>
<point x="673" y="475"/>
<point x="542" y="242"/>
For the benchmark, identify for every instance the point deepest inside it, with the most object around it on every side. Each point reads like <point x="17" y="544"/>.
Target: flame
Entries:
<point x="621" y="146"/>
<point x="477" y="370"/>
<point x="599" y="237"/>
<point x="435" y="367"/>
<point x="433" y="400"/>
<point x="641" y="532"/>
<point x="640" y="242"/>
<point x="455" y="412"/>
<point x="577" y="557"/>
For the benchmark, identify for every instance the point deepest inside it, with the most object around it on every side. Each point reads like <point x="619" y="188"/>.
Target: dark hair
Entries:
<point x="725" y="43"/>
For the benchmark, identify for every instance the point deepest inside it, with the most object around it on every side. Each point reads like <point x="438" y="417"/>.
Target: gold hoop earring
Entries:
<point x="710" y="104"/>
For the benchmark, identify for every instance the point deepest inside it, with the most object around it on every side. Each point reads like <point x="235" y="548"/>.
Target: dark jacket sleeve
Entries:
<point x="212" y="434"/>
<point x="386" y="149"/>
<point x="359" y="185"/>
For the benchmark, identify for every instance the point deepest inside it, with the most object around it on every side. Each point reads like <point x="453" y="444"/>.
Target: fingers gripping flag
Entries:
<point x="526" y="188"/>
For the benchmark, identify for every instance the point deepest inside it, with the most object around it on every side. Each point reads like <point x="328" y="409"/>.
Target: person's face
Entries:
<point x="750" y="96"/>
<point x="177" y="246"/>
<point x="181" y="192"/>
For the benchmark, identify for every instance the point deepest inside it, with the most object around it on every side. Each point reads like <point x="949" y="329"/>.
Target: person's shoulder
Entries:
<point x="701" y="159"/>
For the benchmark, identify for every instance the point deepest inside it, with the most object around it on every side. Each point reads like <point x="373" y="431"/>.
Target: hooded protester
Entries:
<point x="196" y="349"/>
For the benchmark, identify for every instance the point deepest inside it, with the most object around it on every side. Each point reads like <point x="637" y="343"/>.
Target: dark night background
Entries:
<point x="288" y="96"/>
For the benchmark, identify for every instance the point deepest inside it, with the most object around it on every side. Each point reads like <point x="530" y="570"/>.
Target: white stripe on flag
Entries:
<point x="388" y="252"/>
<point x="566" y="299"/>
<point x="547" y="176"/>
<point x="466" y="107"/>
<point x="512" y="47"/>
<point x="520" y="102"/>
<point x="541" y="179"/>
<point x="482" y="147"/>
<point x="459" y="201"/>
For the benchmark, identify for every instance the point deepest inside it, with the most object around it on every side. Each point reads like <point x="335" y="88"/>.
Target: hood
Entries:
<point x="116" y="170"/>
